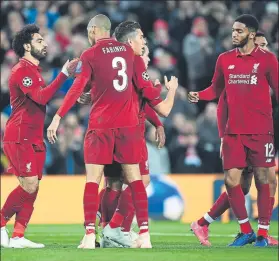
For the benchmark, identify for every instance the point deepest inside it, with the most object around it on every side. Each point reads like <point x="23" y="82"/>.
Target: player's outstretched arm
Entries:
<point x="28" y="82"/>
<point x="165" y="106"/>
<point x="216" y="87"/>
<point x="70" y="99"/>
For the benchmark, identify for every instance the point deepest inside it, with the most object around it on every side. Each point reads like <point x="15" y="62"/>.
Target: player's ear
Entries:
<point x="129" y="41"/>
<point x="252" y="35"/>
<point x="27" y="47"/>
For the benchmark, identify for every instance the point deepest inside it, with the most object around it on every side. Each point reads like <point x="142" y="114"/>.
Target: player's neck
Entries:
<point x="31" y="59"/>
<point x="247" y="48"/>
<point x="102" y="36"/>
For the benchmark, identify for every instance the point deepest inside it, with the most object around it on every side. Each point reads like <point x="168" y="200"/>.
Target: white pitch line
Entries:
<point x="152" y="234"/>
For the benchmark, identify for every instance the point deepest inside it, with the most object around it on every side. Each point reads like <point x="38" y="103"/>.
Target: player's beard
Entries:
<point x="242" y="43"/>
<point x="39" y="55"/>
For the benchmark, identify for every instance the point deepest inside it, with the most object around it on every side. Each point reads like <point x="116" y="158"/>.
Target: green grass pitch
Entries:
<point x="172" y="241"/>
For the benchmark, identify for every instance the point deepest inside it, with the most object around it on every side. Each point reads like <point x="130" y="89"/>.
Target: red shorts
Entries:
<point x="25" y="160"/>
<point x="240" y="151"/>
<point x="103" y="146"/>
<point x="115" y="170"/>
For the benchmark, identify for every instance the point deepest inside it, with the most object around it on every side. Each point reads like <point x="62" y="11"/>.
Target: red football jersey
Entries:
<point x="246" y="79"/>
<point x="222" y="114"/>
<point x="28" y="97"/>
<point x="109" y="66"/>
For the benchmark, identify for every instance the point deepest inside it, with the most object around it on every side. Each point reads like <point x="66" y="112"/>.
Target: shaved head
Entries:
<point x="101" y="21"/>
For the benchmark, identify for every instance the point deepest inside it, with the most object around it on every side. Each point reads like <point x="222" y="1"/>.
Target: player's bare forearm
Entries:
<point x="43" y="96"/>
<point x="152" y="116"/>
<point x="164" y="107"/>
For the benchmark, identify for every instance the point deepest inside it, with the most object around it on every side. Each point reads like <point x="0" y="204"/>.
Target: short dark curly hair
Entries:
<point x="22" y="37"/>
<point x="250" y="21"/>
<point x="125" y="30"/>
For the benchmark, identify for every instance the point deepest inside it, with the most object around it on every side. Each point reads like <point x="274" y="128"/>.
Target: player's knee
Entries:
<point x="272" y="185"/>
<point x="230" y="181"/>
<point x="30" y="184"/>
<point x="114" y="184"/>
<point x="261" y="175"/>
<point x="146" y="180"/>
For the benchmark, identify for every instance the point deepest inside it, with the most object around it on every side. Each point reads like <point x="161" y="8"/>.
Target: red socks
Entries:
<point x="219" y="207"/>
<point x="13" y="204"/>
<point x="24" y="215"/>
<point x="263" y="209"/>
<point x="141" y="204"/>
<point x="272" y="201"/>
<point x="237" y="203"/>
<point x="125" y="203"/>
<point x="90" y="205"/>
<point x="109" y="204"/>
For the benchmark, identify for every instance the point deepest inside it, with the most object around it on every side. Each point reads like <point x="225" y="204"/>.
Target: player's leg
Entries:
<point x="98" y="151"/>
<point x="91" y="203"/>
<point x="261" y="156"/>
<point x="21" y="200"/>
<point x="200" y="227"/>
<point x="234" y="156"/>
<point x="272" y="187"/>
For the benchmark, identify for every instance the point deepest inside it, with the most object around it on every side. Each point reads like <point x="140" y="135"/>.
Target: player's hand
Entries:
<point x="160" y="137"/>
<point x="193" y="97"/>
<point x="85" y="98"/>
<point x="52" y="129"/>
<point x="172" y="83"/>
<point x="156" y="82"/>
<point x="69" y="67"/>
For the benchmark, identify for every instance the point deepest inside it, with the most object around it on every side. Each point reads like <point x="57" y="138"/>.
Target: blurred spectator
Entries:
<point x="67" y="153"/>
<point x="159" y="162"/>
<point x="182" y="146"/>
<point x="199" y="53"/>
<point x="42" y="7"/>
<point x="209" y="141"/>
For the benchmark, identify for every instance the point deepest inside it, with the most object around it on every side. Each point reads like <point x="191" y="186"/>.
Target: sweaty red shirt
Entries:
<point x="28" y="98"/>
<point x="246" y="79"/>
<point x="109" y="67"/>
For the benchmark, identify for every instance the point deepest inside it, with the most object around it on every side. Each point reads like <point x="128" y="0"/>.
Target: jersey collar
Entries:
<point x="253" y="53"/>
<point x="29" y="63"/>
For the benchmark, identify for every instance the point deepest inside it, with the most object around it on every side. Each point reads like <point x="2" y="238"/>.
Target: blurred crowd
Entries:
<point x="185" y="39"/>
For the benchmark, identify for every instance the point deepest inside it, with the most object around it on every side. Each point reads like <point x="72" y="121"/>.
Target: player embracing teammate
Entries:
<point x="113" y="132"/>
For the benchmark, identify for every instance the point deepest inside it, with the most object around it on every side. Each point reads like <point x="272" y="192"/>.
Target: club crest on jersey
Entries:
<point x="255" y="67"/>
<point x="145" y="76"/>
<point x="27" y="82"/>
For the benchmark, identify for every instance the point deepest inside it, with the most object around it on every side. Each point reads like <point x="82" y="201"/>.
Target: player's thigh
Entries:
<point x="131" y="172"/>
<point x="128" y="145"/>
<point x="24" y="159"/>
<point x="234" y="152"/>
<point x="144" y="166"/>
<point x="261" y="150"/>
<point x="98" y="146"/>
<point x="233" y="177"/>
<point x="94" y="173"/>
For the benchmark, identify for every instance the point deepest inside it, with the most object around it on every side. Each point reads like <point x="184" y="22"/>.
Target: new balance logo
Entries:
<point x="254" y="79"/>
<point x="268" y="160"/>
<point x="231" y="67"/>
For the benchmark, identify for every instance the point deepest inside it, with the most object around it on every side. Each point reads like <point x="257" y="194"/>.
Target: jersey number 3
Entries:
<point x="120" y="64"/>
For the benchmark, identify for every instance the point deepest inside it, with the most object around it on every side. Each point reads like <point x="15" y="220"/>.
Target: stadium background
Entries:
<point x="185" y="39"/>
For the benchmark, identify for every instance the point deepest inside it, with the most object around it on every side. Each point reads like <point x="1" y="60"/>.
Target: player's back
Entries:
<point x="111" y="92"/>
<point x="26" y="121"/>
